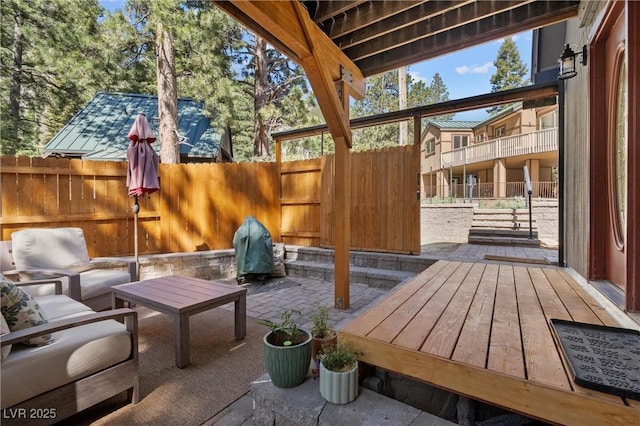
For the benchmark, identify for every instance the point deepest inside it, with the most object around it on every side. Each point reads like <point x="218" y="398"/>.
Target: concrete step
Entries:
<point x="492" y="232"/>
<point x="504" y="241"/>
<point x="373" y="277"/>
<point x="482" y="214"/>
<point x="502" y="211"/>
<point x="503" y="224"/>
<point x="386" y="261"/>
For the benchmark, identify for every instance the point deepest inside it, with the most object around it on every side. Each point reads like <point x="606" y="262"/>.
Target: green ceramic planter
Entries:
<point x="287" y="365"/>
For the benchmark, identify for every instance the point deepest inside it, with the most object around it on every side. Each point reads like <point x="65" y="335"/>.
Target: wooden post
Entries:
<point x="342" y="214"/>
<point x="342" y="224"/>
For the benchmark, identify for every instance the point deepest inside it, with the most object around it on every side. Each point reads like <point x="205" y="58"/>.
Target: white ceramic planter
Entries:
<point x="339" y="388"/>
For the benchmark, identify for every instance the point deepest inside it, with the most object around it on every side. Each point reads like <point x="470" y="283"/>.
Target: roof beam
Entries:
<point x="366" y="15"/>
<point x="278" y="23"/>
<point x="533" y="15"/>
<point x="328" y="9"/>
<point x="411" y="29"/>
<point x="519" y="94"/>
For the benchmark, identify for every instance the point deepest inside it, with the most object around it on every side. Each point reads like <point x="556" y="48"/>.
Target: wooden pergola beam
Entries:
<point x="333" y="77"/>
<point x="278" y="23"/>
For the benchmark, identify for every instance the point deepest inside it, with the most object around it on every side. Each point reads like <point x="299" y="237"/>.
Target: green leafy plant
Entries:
<point x="284" y="333"/>
<point x="340" y="358"/>
<point x="320" y="320"/>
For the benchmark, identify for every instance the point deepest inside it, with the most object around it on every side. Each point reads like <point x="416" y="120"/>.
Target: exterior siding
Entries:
<point x="576" y="162"/>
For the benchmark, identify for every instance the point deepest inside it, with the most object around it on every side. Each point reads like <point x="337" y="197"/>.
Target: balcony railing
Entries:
<point x="488" y="190"/>
<point x="510" y="146"/>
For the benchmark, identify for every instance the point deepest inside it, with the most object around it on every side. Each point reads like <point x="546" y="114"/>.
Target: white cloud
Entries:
<point x="417" y="77"/>
<point x="475" y="69"/>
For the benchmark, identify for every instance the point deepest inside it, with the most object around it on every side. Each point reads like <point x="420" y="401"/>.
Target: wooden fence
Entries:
<point x="200" y="206"/>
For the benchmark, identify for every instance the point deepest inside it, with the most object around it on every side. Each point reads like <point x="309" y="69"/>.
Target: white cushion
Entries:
<point x="97" y="282"/>
<point x="56" y="248"/>
<point x="76" y="353"/>
<point x="62" y="307"/>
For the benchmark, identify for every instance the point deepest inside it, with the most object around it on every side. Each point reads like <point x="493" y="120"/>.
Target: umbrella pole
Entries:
<point x="136" y="209"/>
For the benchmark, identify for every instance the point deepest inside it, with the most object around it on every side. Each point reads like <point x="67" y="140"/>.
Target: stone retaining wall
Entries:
<point x="445" y="223"/>
<point x="450" y="223"/>
<point x="208" y="265"/>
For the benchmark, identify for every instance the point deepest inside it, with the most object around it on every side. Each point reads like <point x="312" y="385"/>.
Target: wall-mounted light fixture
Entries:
<point x="568" y="61"/>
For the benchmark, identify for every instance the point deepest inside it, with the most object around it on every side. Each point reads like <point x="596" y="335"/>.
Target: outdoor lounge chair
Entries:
<point x="88" y="356"/>
<point x="38" y="253"/>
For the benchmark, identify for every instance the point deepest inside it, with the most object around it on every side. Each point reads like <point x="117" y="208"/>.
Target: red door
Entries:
<point x="617" y="154"/>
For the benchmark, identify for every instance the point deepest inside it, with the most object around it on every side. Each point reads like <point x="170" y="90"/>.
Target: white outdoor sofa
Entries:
<point x="38" y="253"/>
<point x="92" y="357"/>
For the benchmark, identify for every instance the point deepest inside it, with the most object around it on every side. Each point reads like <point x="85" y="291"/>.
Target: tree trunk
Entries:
<point x="167" y="96"/>
<point x="14" y="91"/>
<point x="261" y="84"/>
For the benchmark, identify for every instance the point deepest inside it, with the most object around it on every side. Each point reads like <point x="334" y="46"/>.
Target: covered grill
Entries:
<point x="254" y="249"/>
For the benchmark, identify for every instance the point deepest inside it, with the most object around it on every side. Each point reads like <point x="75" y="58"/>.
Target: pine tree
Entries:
<point x="49" y="68"/>
<point x="278" y="90"/>
<point x="200" y="37"/>
<point x="382" y="96"/>
<point x="510" y="71"/>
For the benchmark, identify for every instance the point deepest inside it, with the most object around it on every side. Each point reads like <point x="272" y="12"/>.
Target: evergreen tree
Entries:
<point x="187" y="42"/>
<point x="510" y="71"/>
<point x="49" y="68"/>
<point x="382" y="96"/>
<point x="279" y="92"/>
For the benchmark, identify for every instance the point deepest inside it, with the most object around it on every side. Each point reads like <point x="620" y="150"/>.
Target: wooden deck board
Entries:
<point x="542" y="360"/>
<point x="440" y="341"/>
<point x="505" y="346"/>
<point x="419" y="327"/>
<point x="483" y="331"/>
<point x="393" y="324"/>
<point x="576" y="306"/>
<point x="598" y="310"/>
<point x="473" y="343"/>
<point x="373" y="317"/>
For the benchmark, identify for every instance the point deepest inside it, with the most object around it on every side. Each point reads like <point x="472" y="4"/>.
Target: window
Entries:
<point x="481" y="137"/>
<point x="460" y="141"/>
<point x="549" y="121"/>
<point x="619" y="156"/>
<point x="430" y="147"/>
<point x="500" y="131"/>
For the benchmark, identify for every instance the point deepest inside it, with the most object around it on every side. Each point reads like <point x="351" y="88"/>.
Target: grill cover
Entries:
<point x="253" y="247"/>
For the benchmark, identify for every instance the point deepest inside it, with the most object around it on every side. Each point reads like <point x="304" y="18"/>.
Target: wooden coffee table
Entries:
<point x="181" y="297"/>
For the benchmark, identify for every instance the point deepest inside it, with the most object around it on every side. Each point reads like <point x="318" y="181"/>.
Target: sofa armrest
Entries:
<point x="109" y="262"/>
<point x="126" y="315"/>
<point x="74" y="278"/>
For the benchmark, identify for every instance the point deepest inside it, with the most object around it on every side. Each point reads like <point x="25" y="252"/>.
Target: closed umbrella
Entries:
<point x="142" y="175"/>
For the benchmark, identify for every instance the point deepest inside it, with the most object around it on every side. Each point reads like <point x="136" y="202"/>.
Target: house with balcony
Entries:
<point x="486" y="159"/>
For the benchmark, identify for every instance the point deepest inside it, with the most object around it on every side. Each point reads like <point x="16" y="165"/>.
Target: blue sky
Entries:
<point x="466" y="72"/>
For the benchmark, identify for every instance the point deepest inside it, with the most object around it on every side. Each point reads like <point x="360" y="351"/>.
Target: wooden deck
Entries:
<point x="483" y="331"/>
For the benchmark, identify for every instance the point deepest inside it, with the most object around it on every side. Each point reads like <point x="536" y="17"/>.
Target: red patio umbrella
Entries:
<point x="142" y="175"/>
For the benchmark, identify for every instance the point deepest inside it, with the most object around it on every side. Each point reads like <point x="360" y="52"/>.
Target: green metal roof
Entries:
<point x="453" y="124"/>
<point x="99" y="130"/>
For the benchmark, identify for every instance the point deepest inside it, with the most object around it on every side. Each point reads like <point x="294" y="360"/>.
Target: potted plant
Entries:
<point x="322" y="334"/>
<point x="338" y="373"/>
<point x="287" y="351"/>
